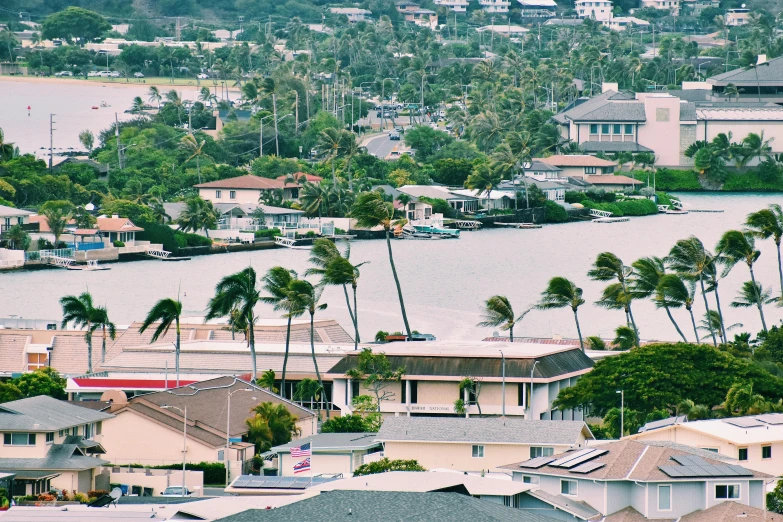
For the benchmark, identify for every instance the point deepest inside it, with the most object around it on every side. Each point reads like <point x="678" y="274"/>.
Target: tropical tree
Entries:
<point x="198" y="214"/>
<point x="271" y="425"/>
<point x="735" y="247"/>
<point x="340" y="271"/>
<point x="768" y="223"/>
<point x="375" y="372"/>
<point x="238" y="292"/>
<point x="309" y="296"/>
<point x="609" y="267"/>
<point x="498" y="312"/>
<point x="674" y="291"/>
<point x="154" y="95"/>
<point x="648" y="272"/>
<point x="165" y="312"/>
<point x="321" y="255"/>
<point x="138" y="106"/>
<point x="329" y="143"/>
<point x="624" y="338"/>
<point x="58" y="215"/>
<point x="746" y="297"/>
<point x="267" y="381"/>
<point x="80" y="311"/>
<point x="277" y="283"/>
<point x="370" y="210"/>
<point x="195" y="148"/>
<point x="484" y="179"/>
<point x="560" y="293"/>
<point x="101" y="321"/>
<point x="87" y="139"/>
<point x="175" y="99"/>
<point x="740" y="399"/>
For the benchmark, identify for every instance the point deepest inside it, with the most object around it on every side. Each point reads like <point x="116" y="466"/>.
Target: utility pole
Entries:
<point x="51" y="140"/>
<point x="119" y="145"/>
<point x="296" y="109"/>
<point x="261" y="138"/>
<point x="492" y="37"/>
<point x="274" y="110"/>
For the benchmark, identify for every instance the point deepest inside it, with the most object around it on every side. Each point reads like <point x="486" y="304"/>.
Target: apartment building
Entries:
<point x="673" y="6"/>
<point x="495" y="6"/>
<point x="458" y="6"/>
<point x="598" y="10"/>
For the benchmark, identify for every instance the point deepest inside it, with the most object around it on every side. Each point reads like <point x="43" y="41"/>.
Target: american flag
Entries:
<point x="301" y="451"/>
<point x="302" y="466"/>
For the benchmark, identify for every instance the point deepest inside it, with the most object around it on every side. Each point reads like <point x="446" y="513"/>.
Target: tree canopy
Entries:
<point x="75" y="24"/>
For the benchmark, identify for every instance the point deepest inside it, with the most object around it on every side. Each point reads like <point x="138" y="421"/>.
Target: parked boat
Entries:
<point x="91" y="266"/>
<point x="291" y="243"/>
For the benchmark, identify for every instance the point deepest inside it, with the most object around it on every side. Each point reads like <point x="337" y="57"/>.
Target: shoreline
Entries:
<point x="118" y="82"/>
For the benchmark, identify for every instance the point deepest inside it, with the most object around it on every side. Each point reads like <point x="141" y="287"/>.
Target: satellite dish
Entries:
<point x="89" y="207"/>
<point x="495" y="334"/>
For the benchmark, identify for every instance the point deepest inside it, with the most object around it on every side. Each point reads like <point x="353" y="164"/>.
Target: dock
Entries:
<point x="611" y="220"/>
<point x="717" y="211"/>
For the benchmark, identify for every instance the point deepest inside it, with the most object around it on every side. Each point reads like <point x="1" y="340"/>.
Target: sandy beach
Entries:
<point x="114" y="82"/>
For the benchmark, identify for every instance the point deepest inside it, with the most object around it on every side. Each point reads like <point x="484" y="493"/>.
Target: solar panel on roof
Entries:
<point x="771" y="418"/>
<point x="584" y="458"/>
<point x="672" y="471"/>
<point x="688" y="460"/>
<point x="706" y="471"/>
<point x="537" y="462"/>
<point x="744" y="422"/>
<point x="241" y="482"/>
<point x="571" y="456"/>
<point x="588" y="467"/>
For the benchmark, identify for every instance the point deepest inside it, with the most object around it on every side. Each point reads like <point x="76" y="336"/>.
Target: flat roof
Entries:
<point x="478" y="349"/>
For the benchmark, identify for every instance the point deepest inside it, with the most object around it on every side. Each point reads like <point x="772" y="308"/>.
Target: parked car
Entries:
<point x="64" y="73"/>
<point x="138" y="75"/>
<point x="202" y="76"/>
<point x="114" y="74"/>
<point x="92" y="74"/>
<point x="175" y="491"/>
<point x="394" y="135"/>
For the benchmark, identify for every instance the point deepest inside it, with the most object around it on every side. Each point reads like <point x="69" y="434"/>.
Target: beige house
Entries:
<point x="49" y="443"/>
<point x="245" y="189"/>
<point x="332" y="453"/>
<point x="477" y="444"/>
<point x="579" y="165"/>
<point x="143" y="431"/>
<point x="756" y="441"/>
<point x="10" y="216"/>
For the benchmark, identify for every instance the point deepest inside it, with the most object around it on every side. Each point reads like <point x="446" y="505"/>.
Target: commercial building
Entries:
<point x="477" y="444"/>
<point x="534" y="375"/>
<point x="768" y="85"/>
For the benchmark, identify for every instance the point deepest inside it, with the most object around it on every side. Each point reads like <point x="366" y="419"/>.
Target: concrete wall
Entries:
<point x="242" y="196"/>
<point x="159" y="479"/>
<point x="661" y="131"/>
<point x="773" y="131"/>
<point x="319" y="464"/>
<point x="81" y="481"/>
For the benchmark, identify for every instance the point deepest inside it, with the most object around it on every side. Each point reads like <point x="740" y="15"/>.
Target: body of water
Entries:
<point x="71" y="102"/>
<point x="444" y="282"/>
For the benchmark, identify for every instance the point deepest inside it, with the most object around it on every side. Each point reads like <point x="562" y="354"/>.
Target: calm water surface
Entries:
<point x="444" y="282"/>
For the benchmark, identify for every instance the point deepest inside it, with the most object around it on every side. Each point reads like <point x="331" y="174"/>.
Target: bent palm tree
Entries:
<point x="735" y="247"/>
<point x="498" y="312"/>
<point x="674" y="291"/>
<point x="768" y="223"/>
<point x="560" y="293"/>
<point x="648" y="272"/>
<point x="167" y="311"/>
<point x="309" y="296"/>
<point x="608" y="267"/>
<point x="370" y="210"/>
<point x="195" y="148"/>
<point x="154" y="95"/>
<point x="340" y="271"/>
<point x="746" y="297"/>
<point x="198" y="214"/>
<point x="101" y="321"/>
<point x="80" y="311"/>
<point x="322" y="253"/>
<point x="238" y="292"/>
<point x="690" y="259"/>
<point x="329" y="142"/>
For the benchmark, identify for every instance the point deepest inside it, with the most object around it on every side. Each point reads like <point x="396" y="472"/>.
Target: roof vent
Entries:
<point x="350" y="511"/>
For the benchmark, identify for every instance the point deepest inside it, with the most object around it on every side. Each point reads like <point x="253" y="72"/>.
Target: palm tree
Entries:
<point x="674" y="291"/>
<point x="174" y="98"/>
<point x="560" y="293"/>
<point x="154" y="95"/>
<point x="498" y="312"/>
<point x="195" y="148"/>
<point x="278" y="284"/>
<point x="309" y="296"/>
<point x="624" y="338"/>
<point x="198" y="214"/>
<point x="609" y="267"/>
<point x="746" y="297"/>
<point x="267" y="381"/>
<point x="329" y="142"/>
<point x="57" y="217"/>
<point x="648" y="272"/>
<point x="735" y="247"/>
<point x="7" y="150"/>
<point x="690" y="259"/>
<point x="166" y="311"/>
<point x="238" y="292"/>
<point x="731" y="90"/>
<point x="101" y="320"/>
<point x="271" y="425"/>
<point x="484" y="179"/>
<point x="321" y="255"/>
<point x="138" y="106"/>
<point x="314" y="199"/>
<point x="80" y="311"/>
<point x="370" y="210"/>
<point x="768" y="223"/>
<point x="340" y="271"/>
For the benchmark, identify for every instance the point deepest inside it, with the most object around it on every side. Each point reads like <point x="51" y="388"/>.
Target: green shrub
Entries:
<point x="195" y="240"/>
<point x="751" y="181"/>
<point x="268" y="233"/>
<point x="671" y="180"/>
<point x="554" y="213"/>
<point x="80" y="497"/>
<point x="161" y="234"/>
<point x="118" y="244"/>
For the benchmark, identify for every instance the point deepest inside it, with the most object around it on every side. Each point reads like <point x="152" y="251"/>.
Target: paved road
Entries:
<point x="382" y="146"/>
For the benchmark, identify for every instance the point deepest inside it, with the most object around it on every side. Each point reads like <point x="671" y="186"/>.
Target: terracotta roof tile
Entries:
<point x="116" y="224"/>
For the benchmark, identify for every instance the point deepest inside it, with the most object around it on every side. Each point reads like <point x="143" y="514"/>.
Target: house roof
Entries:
<point x="576" y="160"/>
<point x="771" y="74"/>
<point x="301" y="177"/>
<point x="13" y="212"/>
<point x="248" y="181"/>
<point x="739" y="113"/>
<point x="607" y="106"/>
<point x="332" y="442"/>
<point x="44" y="413"/>
<point x="611" y="179"/>
<point x="116" y="224"/>
<point x="751" y="429"/>
<point x="388" y="506"/>
<point x="480" y="194"/>
<point x="434" y="192"/>
<point x="175" y="209"/>
<point x="428" y="481"/>
<point x="207" y="407"/>
<point x="569" y="505"/>
<point x="490" y="430"/>
<point x="349" y="10"/>
<point x="59" y="457"/>
<point x="632" y="460"/>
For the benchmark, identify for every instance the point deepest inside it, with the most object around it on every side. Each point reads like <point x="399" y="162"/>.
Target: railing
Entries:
<point x="600" y="213"/>
<point x="38" y="255"/>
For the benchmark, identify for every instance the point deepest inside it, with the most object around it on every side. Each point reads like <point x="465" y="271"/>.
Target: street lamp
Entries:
<point x="184" y="438"/>
<point x="622" y="412"/>
<point x="530" y="399"/>
<point x="228" y="425"/>
<point x="503" y="389"/>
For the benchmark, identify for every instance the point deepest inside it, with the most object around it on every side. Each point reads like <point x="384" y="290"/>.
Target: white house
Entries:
<point x="354" y="14"/>
<point x="599" y="10"/>
<point x="10" y="216"/>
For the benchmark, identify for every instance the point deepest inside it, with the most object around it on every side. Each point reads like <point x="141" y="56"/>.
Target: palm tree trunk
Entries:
<point x="633" y="325"/>
<point x="334" y="177"/>
<point x="348" y="302"/>
<point x="312" y="351"/>
<point x="176" y="353"/>
<point x="103" y="346"/>
<point x="198" y="168"/>
<point x="720" y="314"/>
<point x="758" y="298"/>
<point x="88" y="338"/>
<point x="780" y="270"/>
<point x="285" y="357"/>
<point x="511" y="333"/>
<point x="397" y="282"/>
<point x="252" y="344"/>
<point x="693" y="321"/>
<point x="355" y="320"/>
<point x="579" y="331"/>
<point x="676" y="326"/>
<point x="707" y="307"/>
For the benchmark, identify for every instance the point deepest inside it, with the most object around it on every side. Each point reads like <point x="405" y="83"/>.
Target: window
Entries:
<point x="527" y="479"/>
<point x="664" y="498"/>
<point x="414" y="392"/>
<point x="62" y="433"/>
<point x="593" y="128"/>
<point x="628" y="128"/>
<point x="87" y="431"/>
<point x="218" y="194"/>
<point x="605" y="128"/>
<point x="766" y="452"/>
<point x="98" y="428"/>
<point x="742" y="454"/>
<point x="712" y="450"/>
<point x="19" y="439"/>
<point x="75" y="430"/>
<point x="50" y="437"/>
<point x="232" y="194"/>
<point x="589" y="170"/>
<point x="355" y="388"/>
<point x="727" y="491"/>
<point x="568" y="487"/>
<point x="478" y="451"/>
<point x="221" y="455"/>
<point x="539" y="451"/>
<point x="520" y="394"/>
<point x="403" y="392"/>
<point x="616" y="128"/>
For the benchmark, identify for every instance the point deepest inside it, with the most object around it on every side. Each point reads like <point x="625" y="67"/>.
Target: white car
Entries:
<point x="114" y="74"/>
<point x="92" y="74"/>
<point x="64" y="73"/>
<point x="138" y="75"/>
<point x="175" y="491"/>
<point x="202" y="76"/>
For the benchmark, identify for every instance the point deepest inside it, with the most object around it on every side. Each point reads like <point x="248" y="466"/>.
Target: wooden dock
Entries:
<point x="611" y="220"/>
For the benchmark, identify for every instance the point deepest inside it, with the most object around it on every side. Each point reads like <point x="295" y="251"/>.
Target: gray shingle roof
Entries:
<point x="771" y="74"/>
<point x="615" y="111"/>
<point x="388" y="506"/>
<point x="59" y="457"/>
<point x="488" y="430"/>
<point x="332" y="441"/>
<point x="580" y="509"/>
<point x="43" y="413"/>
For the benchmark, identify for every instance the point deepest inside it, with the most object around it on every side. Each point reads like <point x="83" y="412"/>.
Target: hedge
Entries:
<point x="161" y="234"/>
<point x="194" y="240"/>
<point x="671" y="180"/>
<point x="555" y="213"/>
<point x="750" y="181"/>
<point x="629" y="207"/>
<point x="269" y="232"/>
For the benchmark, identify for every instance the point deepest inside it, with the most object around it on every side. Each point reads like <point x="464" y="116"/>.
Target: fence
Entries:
<point x="37" y="255"/>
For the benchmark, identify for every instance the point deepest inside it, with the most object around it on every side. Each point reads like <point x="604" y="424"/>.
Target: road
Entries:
<point x="382" y="146"/>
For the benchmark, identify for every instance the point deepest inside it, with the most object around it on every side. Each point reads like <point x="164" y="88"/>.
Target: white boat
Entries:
<point x="291" y="243"/>
<point x="91" y="266"/>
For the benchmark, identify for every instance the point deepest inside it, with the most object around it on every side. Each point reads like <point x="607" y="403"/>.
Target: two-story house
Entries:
<point x="245" y="189"/>
<point x="756" y="441"/>
<point x="10" y="216"/>
<point x="598" y="10"/>
<point x="650" y="480"/>
<point x="50" y="443"/>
